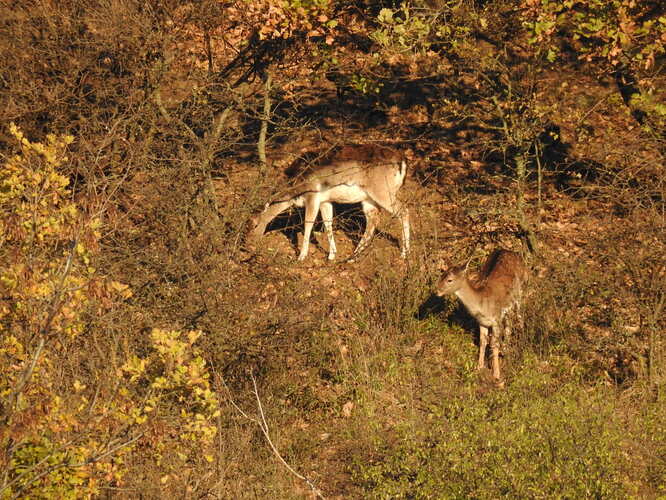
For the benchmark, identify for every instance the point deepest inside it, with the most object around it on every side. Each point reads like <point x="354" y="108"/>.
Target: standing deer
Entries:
<point x="369" y="175"/>
<point x="490" y="298"/>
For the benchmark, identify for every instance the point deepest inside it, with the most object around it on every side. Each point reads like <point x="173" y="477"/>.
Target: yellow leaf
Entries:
<point x="118" y="287"/>
<point x="192" y="336"/>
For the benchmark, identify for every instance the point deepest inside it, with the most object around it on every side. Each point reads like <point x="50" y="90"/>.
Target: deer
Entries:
<point x="491" y="299"/>
<point x="369" y="175"/>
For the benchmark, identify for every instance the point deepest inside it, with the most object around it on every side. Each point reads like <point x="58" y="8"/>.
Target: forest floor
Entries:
<point x="461" y="202"/>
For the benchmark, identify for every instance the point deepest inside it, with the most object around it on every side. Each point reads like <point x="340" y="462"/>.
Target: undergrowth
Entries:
<point x="545" y="436"/>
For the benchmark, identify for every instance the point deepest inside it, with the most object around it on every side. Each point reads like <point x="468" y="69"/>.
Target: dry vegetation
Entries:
<point x="147" y="352"/>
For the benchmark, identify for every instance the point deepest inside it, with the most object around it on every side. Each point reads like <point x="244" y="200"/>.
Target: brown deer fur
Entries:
<point x="369" y="175"/>
<point x="490" y="298"/>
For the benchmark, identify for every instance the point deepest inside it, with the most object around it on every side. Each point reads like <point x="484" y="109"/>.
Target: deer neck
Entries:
<point x="470" y="297"/>
<point x="269" y="214"/>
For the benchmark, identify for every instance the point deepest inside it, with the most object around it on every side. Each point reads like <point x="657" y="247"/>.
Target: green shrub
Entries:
<point x="537" y="439"/>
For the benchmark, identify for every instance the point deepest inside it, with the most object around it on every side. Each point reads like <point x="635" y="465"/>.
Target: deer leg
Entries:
<point x="520" y="320"/>
<point x="397" y="209"/>
<point x="404" y="217"/>
<point x="483" y="344"/>
<point x="495" y="339"/>
<point x="312" y="203"/>
<point x="507" y="328"/>
<point x="371" y="215"/>
<point x="326" y="209"/>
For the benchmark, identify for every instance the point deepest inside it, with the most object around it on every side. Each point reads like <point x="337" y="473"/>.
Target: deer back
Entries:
<point x="375" y="171"/>
<point x="502" y="276"/>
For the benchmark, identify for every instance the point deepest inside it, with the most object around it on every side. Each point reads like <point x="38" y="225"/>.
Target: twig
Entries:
<point x="592" y="108"/>
<point x="54" y="308"/>
<point x="264" y="428"/>
<point x="208" y="151"/>
<point x="261" y="143"/>
<point x="261" y="422"/>
<point x="157" y="99"/>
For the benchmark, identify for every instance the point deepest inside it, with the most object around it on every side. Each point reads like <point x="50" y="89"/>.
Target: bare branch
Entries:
<point x="53" y="310"/>
<point x="264" y="428"/>
<point x="263" y="425"/>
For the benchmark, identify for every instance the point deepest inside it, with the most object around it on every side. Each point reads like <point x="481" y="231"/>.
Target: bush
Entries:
<point x="535" y="440"/>
<point x="51" y="445"/>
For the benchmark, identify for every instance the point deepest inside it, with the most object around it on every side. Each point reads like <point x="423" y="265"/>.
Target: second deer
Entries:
<point x="490" y="298"/>
<point x="368" y="175"/>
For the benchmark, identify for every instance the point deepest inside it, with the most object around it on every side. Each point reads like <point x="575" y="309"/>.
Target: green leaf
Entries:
<point x="385" y="16"/>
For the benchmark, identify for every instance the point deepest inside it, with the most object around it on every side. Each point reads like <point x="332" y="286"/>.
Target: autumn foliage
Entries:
<point x="147" y="350"/>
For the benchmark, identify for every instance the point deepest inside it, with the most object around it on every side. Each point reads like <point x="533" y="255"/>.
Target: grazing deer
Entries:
<point x="369" y="175"/>
<point x="490" y="298"/>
